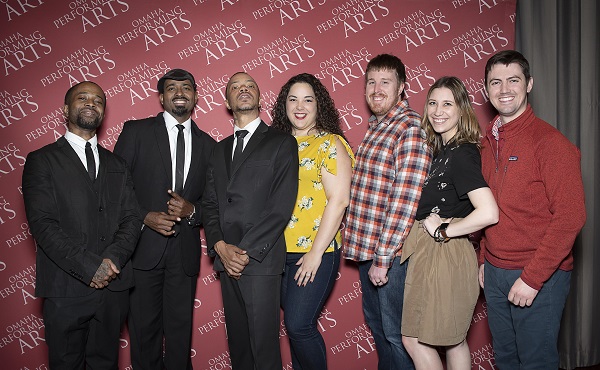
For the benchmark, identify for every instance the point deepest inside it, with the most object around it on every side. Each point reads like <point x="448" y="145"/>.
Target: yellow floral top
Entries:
<point x="314" y="151"/>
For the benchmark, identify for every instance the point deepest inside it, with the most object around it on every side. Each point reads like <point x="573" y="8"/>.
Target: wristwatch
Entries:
<point x="191" y="219"/>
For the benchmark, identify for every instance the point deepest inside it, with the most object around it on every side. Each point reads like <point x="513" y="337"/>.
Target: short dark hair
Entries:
<point x="176" y="74"/>
<point x="388" y="62"/>
<point x="507" y="57"/>
<point x="69" y="92"/>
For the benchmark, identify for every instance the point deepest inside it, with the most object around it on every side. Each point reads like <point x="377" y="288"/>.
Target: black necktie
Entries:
<point x="239" y="146"/>
<point x="91" y="163"/>
<point x="179" y="161"/>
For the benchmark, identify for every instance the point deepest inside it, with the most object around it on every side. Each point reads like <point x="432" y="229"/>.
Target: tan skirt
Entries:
<point x="441" y="288"/>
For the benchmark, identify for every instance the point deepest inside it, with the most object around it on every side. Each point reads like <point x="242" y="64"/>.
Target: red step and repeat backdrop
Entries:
<point x="126" y="45"/>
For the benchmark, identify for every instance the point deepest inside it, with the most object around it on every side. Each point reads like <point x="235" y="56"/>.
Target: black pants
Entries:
<point x="85" y="330"/>
<point x="162" y="302"/>
<point x="252" y="315"/>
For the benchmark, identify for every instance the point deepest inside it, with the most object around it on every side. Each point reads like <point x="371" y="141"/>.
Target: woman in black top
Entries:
<point x="441" y="282"/>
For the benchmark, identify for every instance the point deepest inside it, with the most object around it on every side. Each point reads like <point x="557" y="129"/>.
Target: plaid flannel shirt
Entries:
<point x="392" y="162"/>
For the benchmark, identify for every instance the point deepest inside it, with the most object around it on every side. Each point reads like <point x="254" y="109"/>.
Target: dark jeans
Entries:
<point x="302" y="307"/>
<point x="382" y="307"/>
<point x="525" y="337"/>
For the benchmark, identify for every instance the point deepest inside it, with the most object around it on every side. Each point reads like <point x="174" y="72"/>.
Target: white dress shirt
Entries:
<point x="78" y="144"/>
<point x="251" y="127"/>
<point x="172" y="130"/>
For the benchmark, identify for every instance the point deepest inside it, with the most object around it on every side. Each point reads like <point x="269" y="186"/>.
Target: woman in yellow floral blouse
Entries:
<point x="305" y="109"/>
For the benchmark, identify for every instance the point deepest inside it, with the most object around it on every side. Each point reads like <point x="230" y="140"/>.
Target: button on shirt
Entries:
<point x="78" y="144"/>
<point x="171" y="124"/>
<point x="251" y="127"/>
<point x="391" y="165"/>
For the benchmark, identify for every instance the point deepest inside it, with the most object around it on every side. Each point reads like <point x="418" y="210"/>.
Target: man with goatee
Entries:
<point x="391" y="164"/>
<point x="168" y="157"/>
<point x="84" y="217"/>
<point x="251" y="189"/>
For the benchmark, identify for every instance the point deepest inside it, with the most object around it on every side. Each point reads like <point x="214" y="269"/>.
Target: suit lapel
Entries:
<point x="68" y="151"/>
<point x="103" y="163"/>
<point x="162" y="143"/>
<point x="196" y="156"/>
<point x="102" y="171"/>
<point x="254" y="142"/>
<point x="227" y="153"/>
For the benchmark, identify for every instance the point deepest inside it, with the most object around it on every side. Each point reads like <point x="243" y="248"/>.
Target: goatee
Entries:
<point x="246" y="108"/>
<point x="88" y="124"/>
<point x="180" y="111"/>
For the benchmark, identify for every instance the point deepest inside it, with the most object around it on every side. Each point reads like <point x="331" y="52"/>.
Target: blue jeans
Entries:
<point x="382" y="307"/>
<point x="302" y="307"/>
<point x="525" y="337"/>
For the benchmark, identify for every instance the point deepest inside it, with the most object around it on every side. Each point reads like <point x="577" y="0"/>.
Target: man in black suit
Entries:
<point x="83" y="214"/>
<point x="168" y="156"/>
<point x="247" y="204"/>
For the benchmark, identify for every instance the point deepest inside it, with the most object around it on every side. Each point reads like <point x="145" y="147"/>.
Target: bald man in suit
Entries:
<point x="251" y="189"/>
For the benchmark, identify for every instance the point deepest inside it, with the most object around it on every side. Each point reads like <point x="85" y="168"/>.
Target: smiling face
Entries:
<point x="301" y="108"/>
<point x="179" y="99"/>
<point x="443" y="113"/>
<point x="382" y="91"/>
<point x="85" y="108"/>
<point x="507" y="89"/>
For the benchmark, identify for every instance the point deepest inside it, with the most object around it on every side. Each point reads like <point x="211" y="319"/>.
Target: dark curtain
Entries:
<point x="560" y="38"/>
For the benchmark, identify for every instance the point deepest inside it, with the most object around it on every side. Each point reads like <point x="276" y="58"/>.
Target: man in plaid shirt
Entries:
<point x="391" y="164"/>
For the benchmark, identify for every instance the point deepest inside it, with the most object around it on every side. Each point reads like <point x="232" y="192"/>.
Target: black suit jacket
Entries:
<point x="76" y="222"/>
<point x="249" y="206"/>
<point x="144" y="144"/>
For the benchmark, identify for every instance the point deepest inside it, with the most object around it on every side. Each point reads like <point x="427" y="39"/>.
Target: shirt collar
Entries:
<point x="251" y="127"/>
<point x="495" y="127"/>
<point x="79" y="141"/>
<point x="393" y="112"/>
<point x="511" y="128"/>
<point x="171" y="122"/>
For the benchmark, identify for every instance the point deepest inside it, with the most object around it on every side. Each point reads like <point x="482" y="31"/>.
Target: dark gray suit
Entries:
<point x="76" y="224"/>
<point x="144" y="144"/>
<point x="249" y="206"/>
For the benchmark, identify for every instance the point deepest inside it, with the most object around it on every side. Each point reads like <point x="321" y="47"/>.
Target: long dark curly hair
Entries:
<point x="328" y="117"/>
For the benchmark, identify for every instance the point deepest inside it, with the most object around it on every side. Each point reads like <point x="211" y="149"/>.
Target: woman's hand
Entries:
<point x="309" y="264"/>
<point x="432" y="222"/>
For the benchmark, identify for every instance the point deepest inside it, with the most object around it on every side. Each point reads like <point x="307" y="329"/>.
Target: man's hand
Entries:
<point x="522" y="294"/>
<point x="178" y="206"/>
<point x="378" y="275"/>
<point x="107" y="272"/>
<point x="234" y="259"/>
<point x="161" y="222"/>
